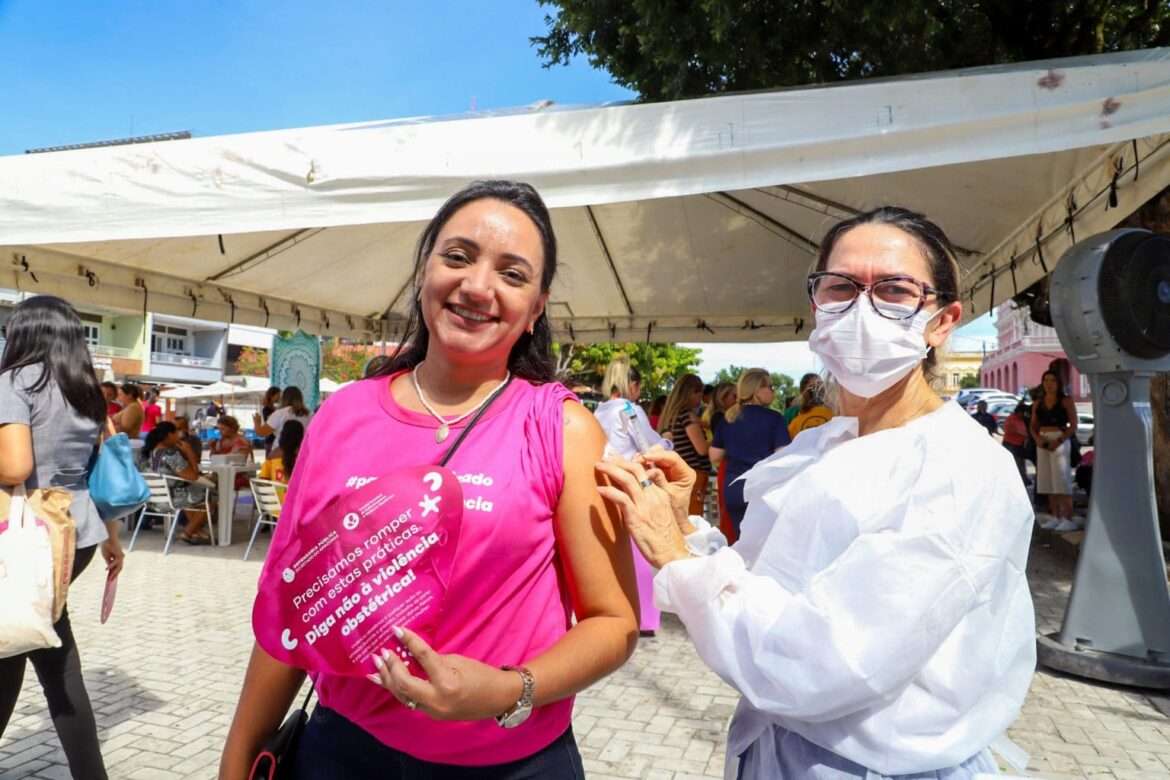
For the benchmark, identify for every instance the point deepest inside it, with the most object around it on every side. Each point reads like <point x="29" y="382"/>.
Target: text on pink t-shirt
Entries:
<point x="504" y="603"/>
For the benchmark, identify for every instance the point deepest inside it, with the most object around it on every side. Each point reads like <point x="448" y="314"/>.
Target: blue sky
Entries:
<point x="72" y="72"/>
<point x="80" y="71"/>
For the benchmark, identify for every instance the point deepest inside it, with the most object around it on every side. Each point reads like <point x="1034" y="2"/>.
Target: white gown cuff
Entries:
<point x="705" y="539"/>
<point x="696" y="582"/>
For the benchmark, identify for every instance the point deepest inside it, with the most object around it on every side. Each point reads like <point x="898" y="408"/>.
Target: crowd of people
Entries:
<point x="54" y="416"/>
<point x="862" y="585"/>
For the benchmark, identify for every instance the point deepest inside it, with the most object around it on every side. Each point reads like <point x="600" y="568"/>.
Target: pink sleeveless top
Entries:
<point x="505" y="604"/>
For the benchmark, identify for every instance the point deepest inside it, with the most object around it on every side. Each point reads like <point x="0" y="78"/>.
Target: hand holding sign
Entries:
<point x="373" y="559"/>
<point x="455" y="688"/>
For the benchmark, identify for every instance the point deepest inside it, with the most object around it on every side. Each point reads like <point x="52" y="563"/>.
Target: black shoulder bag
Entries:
<point x="274" y="762"/>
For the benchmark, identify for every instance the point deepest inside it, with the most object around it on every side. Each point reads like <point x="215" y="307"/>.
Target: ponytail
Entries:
<point x="749" y="384"/>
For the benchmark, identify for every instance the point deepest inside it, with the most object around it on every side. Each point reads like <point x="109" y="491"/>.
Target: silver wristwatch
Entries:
<point x="522" y="708"/>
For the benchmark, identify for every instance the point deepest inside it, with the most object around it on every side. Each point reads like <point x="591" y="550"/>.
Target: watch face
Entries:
<point x="514" y="719"/>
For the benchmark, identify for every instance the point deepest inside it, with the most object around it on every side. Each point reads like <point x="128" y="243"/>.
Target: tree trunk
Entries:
<point x="1155" y="215"/>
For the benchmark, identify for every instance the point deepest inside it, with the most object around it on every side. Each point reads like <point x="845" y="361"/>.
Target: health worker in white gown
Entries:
<point x="874" y="614"/>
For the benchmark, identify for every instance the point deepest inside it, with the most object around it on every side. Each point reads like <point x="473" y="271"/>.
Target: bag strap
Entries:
<point x="491" y="400"/>
<point x="16" y="506"/>
<point x="443" y="462"/>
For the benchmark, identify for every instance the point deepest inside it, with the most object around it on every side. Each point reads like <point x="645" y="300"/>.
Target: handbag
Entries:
<point x="27" y="578"/>
<point x="116" y="487"/>
<point x="275" y="759"/>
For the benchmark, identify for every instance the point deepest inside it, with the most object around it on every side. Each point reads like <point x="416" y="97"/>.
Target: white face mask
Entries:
<point x="866" y="352"/>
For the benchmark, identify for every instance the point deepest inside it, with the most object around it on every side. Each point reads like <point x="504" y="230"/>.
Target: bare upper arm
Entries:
<point x="593" y="547"/>
<point x="16" y="453"/>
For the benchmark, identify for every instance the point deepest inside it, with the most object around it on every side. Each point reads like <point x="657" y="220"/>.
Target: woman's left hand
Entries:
<point x="456" y="688"/>
<point x="646" y="510"/>
<point x="113" y="555"/>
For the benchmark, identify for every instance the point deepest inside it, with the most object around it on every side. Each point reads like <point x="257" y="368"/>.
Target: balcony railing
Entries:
<point x="104" y="350"/>
<point x="174" y="359"/>
<point x="99" y="350"/>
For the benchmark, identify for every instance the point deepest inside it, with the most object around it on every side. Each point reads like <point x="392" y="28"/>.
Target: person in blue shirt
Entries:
<point x="749" y="432"/>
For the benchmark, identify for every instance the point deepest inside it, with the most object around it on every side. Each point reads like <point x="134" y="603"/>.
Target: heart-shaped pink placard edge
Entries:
<point x="373" y="559"/>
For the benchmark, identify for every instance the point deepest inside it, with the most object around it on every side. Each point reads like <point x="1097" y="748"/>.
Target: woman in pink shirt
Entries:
<point x="537" y="545"/>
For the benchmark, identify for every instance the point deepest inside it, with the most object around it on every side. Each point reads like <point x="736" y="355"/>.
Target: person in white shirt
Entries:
<point x="627" y="433"/>
<point x="292" y="407"/>
<point x="875" y="613"/>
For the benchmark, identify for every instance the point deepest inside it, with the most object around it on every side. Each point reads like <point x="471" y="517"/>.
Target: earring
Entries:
<point x="531" y="329"/>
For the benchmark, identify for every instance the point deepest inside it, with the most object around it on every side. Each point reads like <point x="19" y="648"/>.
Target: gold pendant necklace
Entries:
<point x="444" y="423"/>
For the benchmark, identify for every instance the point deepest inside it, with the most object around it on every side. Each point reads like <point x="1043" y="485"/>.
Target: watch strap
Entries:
<point x="527" y="693"/>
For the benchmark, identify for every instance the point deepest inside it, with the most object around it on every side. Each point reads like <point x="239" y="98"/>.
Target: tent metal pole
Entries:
<point x="762" y="219"/>
<point x="267" y="253"/>
<point x="609" y="258"/>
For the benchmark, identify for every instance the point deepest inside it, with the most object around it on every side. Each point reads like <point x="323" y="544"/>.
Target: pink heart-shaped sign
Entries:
<point x="373" y="559"/>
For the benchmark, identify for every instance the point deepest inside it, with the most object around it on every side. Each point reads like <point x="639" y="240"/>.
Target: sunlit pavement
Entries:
<point x="164" y="673"/>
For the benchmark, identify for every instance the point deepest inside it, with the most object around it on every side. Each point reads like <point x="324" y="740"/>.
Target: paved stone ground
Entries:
<point x="164" y="673"/>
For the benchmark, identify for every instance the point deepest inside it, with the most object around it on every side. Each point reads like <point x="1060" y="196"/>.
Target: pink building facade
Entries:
<point x="1025" y="352"/>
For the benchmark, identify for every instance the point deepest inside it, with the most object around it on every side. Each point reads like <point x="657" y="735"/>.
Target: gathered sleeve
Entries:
<point x="862" y="629"/>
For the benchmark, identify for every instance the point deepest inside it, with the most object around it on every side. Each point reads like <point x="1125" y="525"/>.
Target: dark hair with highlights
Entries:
<point x="531" y="356"/>
<point x="935" y="246"/>
<point x="45" y="333"/>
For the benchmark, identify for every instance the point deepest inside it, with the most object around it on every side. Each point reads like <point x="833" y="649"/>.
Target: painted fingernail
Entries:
<point x="375" y="679"/>
<point x="398" y="632"/>
<point x="378" y="661"/>
<point x="387" y="656"/>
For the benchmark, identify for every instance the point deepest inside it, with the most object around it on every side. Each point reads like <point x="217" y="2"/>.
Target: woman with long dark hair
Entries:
<point x="1054" y="421"/>
<point x="279" y="465"/>
<point x="875" y="613"/>
<point x="537" y="547"/>
<point x="267" y="407"/>
<point x="52" y="414"/>
<point x="292" y="407"/>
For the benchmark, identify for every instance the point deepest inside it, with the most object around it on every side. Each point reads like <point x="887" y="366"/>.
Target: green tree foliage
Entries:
<point x="659" y="364"/>
<point x="669" y="50"/>
<point x="968" y="380"/>
<point x="344" y="362"/>
<point x="252" y="362"/>
<point x="784" y="384"/>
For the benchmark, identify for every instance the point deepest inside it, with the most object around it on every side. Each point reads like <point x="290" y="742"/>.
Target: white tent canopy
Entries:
<point x="249" y="386"/>
<point x="682" y="221"/>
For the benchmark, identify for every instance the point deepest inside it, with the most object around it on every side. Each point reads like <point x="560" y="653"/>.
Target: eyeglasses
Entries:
<point x="894" y="297"/>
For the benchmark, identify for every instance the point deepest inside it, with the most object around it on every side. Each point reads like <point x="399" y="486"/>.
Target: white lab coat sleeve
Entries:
<point x="705" y="539"/>
<point x="859" y="632"/>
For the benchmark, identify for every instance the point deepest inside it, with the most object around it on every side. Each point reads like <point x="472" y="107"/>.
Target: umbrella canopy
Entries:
<point x="213" y="390"/>
<point x="687" y="221"/>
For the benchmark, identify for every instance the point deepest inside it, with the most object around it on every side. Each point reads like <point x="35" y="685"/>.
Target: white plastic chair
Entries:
<point x="162" y="504"/>
<point x="268" y="505"/>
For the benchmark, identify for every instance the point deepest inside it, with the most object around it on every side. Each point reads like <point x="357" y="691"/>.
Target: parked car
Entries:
<point x="1085" y="427"/>
<point x="1001" y="410"/>
<point x="970" y="393"/>
<point x="997" y="397"/>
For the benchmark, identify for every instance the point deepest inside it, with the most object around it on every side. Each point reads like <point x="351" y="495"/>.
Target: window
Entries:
<point x="93" y="333"/>
<point x="955" y="379"/>
<point x="169" y="340"/>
